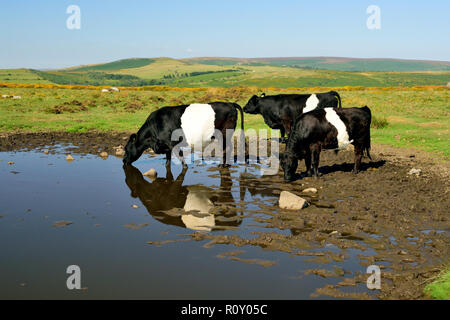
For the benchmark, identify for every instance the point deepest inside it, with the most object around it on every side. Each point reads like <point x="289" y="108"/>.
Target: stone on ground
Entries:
<point x="291" y="201"/>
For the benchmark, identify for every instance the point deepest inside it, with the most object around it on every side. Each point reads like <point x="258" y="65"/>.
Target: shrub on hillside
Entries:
<point x="379" y="122"/>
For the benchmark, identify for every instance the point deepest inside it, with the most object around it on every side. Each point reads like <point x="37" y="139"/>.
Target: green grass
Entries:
<point x="418" y="118"/>
<point x="116" y="65"/>
<point x="20" y="76"/>
<point x="94" y="78"/>
<point x="439" y="289"/>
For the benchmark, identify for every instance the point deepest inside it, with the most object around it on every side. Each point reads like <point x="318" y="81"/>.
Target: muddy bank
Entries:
<point x="397" y="221"/>
<point x="90" y="142"/>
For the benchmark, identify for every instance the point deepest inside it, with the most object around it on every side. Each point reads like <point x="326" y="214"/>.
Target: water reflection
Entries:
<point x="196" y="207"/>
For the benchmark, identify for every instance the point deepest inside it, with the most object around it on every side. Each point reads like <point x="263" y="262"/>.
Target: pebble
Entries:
<point x="415" y="171"/>
<point x="151" y="173"/>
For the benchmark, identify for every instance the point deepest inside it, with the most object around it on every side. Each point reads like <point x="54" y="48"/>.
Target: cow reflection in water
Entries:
<point x="163" y="196"/>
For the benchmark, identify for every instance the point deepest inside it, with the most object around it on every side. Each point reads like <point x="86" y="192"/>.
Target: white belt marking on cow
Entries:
<point x="311" y="103"/>
<point x="198" y="200"/>
<point x="197" y="123"/>
<point x="342" y="136"/>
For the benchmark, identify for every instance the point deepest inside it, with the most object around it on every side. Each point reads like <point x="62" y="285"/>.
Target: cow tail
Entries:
<point x="367" y="140"/>
<point x="242" y="115"/>
<point x="338" y="97"/>
<point x="242" y="135"/>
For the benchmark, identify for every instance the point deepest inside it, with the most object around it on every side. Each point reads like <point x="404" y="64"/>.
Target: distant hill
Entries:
<point x="335" y="63"/>
<point x="228" y="72"/>
<point x="115" y="65"/>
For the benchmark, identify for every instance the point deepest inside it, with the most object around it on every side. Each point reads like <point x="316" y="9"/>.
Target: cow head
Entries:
<point x="289" y="163"/>
<point x="132" y="150"/>
<point x="252" y="105"/>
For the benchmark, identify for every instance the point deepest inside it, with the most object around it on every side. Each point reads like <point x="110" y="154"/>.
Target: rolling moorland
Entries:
<point x="230" y="72"/>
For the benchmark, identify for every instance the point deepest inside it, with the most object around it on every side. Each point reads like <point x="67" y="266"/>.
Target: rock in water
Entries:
<point x="291" y="201"/>
<point x="104" y="154"/>
<point x="69" y="158"/>
<point x="151" y="173"/>
<point x="415" y="171"/>
<point x="119" y="151"/>
<point x="313" y="190"/>
<point x="61" y="224"/>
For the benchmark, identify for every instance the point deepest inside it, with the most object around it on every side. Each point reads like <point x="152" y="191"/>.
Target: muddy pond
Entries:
<point x="210" y="233"/>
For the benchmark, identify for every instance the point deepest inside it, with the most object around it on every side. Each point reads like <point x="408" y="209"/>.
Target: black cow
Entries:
<point x="197" y="121"/>
<point x="280" y="111"/>
<point x="329" y="128"/>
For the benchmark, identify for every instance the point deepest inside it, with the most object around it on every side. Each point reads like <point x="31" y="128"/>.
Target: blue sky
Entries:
<point x="34" y="33"/>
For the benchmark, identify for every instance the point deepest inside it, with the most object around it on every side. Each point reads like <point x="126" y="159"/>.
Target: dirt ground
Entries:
<point x="404" y="218"/>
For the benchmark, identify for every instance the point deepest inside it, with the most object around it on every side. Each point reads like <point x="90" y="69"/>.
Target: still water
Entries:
<point x="55" y="213"/>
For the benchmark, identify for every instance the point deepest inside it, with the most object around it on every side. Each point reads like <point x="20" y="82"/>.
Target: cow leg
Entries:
<point x="168" y="158"/>
<point x="286" y="127"/>
<point x="180" y="178"/>
<point x="180" y="156"/>
<point x="358" y="157"/>
<point x="169" y="175"/>
<point x="224" y="149"/>
<point x="227" y="141"/>
<point x="282" y="132"/>
<point x="308" y="163"/>
<point x="315" y="157"/>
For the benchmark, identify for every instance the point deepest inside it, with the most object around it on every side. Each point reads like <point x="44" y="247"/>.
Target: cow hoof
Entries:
<point x="355" y="171"/>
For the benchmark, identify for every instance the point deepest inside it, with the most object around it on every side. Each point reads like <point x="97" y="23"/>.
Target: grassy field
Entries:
<point x="403" y="117"/>
<point x="20" y="76"/>
<point x="439" y="289"/>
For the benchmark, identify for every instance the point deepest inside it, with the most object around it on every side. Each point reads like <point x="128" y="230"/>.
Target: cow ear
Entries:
<point x="263" y="95"/>
<point x="133" y="138"/>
